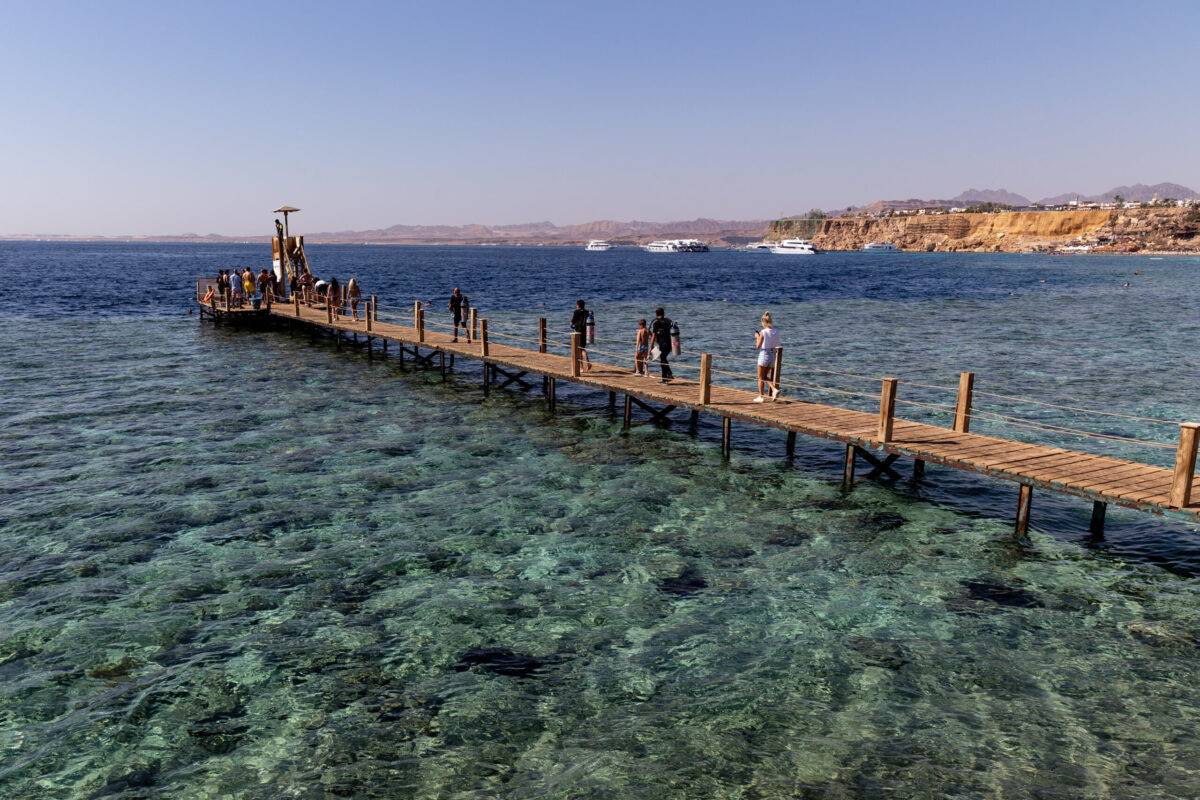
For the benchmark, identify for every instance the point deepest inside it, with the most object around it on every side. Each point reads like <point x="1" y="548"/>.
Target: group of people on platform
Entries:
<point x="236" y="288"/>
<point x="655" y="341"/>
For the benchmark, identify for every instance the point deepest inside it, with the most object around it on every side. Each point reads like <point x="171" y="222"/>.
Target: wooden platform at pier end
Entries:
<point x="1101" y="479"/>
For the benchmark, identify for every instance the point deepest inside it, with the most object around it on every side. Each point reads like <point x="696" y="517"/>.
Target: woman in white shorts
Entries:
<point x="766" y="341"/>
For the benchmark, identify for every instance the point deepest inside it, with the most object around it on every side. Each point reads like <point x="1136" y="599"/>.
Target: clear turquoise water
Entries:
<point x="238" y="564"/>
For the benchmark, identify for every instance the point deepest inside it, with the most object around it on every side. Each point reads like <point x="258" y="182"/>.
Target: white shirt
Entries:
<point x="770" y="339"/>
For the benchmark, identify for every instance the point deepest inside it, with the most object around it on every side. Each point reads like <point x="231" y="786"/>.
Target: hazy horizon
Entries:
<point x="146" y="120"/>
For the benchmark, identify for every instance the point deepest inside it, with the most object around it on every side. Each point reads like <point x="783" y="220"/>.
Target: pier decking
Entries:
<point x="1102" y="479"/>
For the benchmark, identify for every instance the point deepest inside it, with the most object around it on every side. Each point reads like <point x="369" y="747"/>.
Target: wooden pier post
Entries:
<point x="420" y="324"/>
<point x="962" y="408"/>
<point x="374" y="308"/>
<point x="1185" y="465"/>
<point x="848" y="468"/>
<point x="612" y="400"/>
<point x="726" y="436"/>
<point x="296" y="303"/>
<point x="328" y="310"/>
<point x="487" y="377"/>
<point x="368" y="316"/>
<point x="575" y="355"/>
<point x="442" y="360"/>
<point x="1024" y="502"/>
<point x="552" y="392"/>
<point x="541" y="334"/>
<point x="705" y="378"/>
<point x="483" y="338"/>
<point x="776" y="369"/>
<point x="416" y="314"/>
<point x="473" y="334"/>
<point x="887" y="409"/>
<point x="791" y="445"/>
<point x="628" y="418"/>
<point x="1099" y="510"/>
<point x="918" y="469"/>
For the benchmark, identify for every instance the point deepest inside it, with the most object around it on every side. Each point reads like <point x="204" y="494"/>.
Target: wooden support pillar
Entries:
<point x="542" y="335"/>
<point x="487" y="380"/>
<point x="551" y="392"/>
<point x="374" y="308"/>
<point x="483" y="338"/>
<point x="848" y="468"/>
<point x="1099" y="510"/>
<point x="918" y="469"/>
<point x="962" y="408"/>
<point x="421" y="325"/>
<point x="574" y="355"/>
<point x="400" y="352"/>
<point x="368" y="316"/>
<point x="416" y="315"/>
<point x="628" y="418"/>
<point x="726" y="436"/>
<point x="887" y="409"/>
<point x="612" y="400"/>
<point x="385" y="346"/>
<point x="705" y="378"/>
<point x="328" y="310"/>
<point x="1185" y="465"/>
<point x="1024" y="502"/>
<point x="442" y="360"/>
<point x="296" y="303"/>
<point x="776" y="369"/>
<point x="694" y="422"/>
<point x="473" y="334"/>
<point x="791" y="445"/>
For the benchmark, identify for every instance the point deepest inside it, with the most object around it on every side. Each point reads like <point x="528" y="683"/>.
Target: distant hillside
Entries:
<point x="971" y="196"/>
<point x="1138" y="193"/>
<point x="548" y="231"/>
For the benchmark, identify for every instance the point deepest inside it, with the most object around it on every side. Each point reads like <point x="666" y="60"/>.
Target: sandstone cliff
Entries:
<point x="1132" y="230"/>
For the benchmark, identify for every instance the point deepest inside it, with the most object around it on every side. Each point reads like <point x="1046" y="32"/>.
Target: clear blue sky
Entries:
<point x="167" y="117"/>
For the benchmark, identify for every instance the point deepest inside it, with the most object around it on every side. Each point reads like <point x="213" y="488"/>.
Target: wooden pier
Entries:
<point x="878" y="439"/>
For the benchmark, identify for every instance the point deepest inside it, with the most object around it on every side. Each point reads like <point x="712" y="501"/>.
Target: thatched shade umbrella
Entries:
<point x="285" y="210"/>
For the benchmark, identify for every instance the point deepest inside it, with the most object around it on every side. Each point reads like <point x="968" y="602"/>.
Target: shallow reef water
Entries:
<point x="240" y="564"/>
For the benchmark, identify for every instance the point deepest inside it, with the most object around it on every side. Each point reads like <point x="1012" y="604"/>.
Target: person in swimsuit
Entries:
<point x="765" y="342"/>
<point x="354" y="293"/>
<point x="579" y="326"/>
<point x="248" y="283"/>
<point x="209" y="295"/>
<point x="641" y="349"/>
<point x="333" y="297"/>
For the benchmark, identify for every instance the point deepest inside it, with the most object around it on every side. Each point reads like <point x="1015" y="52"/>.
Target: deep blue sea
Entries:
<point x="247" y="564"/>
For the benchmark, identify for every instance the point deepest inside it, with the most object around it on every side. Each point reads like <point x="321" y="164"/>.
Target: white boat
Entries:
<point x="676" y="246"/>
<point x="795" y="247"/>
<point x="879" y="247"/>
<point x="759" y="246"/>
<point x="598" y="246"/>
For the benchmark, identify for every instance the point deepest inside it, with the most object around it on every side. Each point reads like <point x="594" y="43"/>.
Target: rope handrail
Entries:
<point x="1134" y="417"/>
<point x="987" y="416"/>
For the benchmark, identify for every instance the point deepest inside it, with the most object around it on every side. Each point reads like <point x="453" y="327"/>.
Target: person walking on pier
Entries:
<point x="355" y="294"/>
<point x="223" y="285"/>
<point x="765" y="342"/>
<point x="661" y="328"/>
<point x="641" y="349"/>
<point x="579" y="321"/>
<point x="457" y="300"/>
<point x="236" y="289"/>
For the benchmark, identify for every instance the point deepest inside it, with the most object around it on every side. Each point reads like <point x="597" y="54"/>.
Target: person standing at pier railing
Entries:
<point x="661" y="329"/>
<point x="766" y="341"/>
<point x="579" y="325"/>
<point x="457" y="299"/>
<point x="333" y="297"/>
<point x="223" y="284"/>
<point x="641" y="349"/>
<point x="355" y="294"/>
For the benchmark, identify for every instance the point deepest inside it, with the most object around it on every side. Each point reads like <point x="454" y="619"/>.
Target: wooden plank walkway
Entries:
<point x="1101" y="479"/>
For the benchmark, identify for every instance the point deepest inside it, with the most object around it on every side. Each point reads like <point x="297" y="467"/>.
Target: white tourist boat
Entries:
<point x="676" y="246"/>
<point x="795" y="247"/>
<point x="598" y="246"/>
<point x="879" y="247"/>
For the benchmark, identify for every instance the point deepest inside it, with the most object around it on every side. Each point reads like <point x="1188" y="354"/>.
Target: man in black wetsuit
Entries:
<point x="456" y="308"/>
<point x="661" y="330"/>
